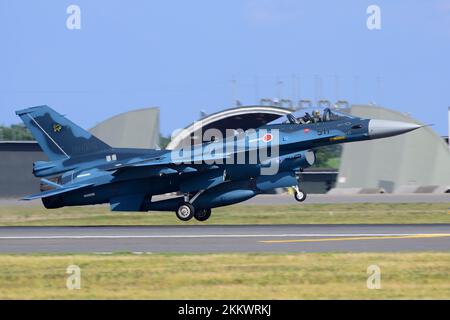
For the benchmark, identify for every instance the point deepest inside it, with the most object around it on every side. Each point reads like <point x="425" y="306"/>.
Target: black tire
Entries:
<point x="185" y="212"/>
<point x="300" y="196"/>
<point x="203" y="214"/>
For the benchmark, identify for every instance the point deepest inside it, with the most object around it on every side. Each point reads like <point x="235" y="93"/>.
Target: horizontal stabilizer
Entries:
<point x="57" y="191"/>
<point x="50" y="183"/>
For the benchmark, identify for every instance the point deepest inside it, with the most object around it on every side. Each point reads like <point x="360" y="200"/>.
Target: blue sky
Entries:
<point x="183" y="55"/>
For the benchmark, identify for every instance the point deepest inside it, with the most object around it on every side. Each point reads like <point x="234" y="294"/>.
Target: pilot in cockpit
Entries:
<point x="307" y="118"/>
<point x="314" y="118"/>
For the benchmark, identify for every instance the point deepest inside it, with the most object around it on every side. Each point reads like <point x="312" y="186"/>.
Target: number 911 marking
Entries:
<point x="322" y="132"/>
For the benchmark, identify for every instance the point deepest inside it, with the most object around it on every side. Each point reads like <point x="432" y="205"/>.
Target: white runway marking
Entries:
<point x="217" y="236"/>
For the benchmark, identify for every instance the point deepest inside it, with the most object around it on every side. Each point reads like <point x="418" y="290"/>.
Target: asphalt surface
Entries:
<point x="244" y="238"/>
<point x="276" y="199"/>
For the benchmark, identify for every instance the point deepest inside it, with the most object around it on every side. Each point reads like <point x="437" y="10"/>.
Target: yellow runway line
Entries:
<point x="415" y="236"/>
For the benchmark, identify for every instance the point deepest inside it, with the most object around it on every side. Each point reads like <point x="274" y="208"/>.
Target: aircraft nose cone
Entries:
<point x="387" y="128"/>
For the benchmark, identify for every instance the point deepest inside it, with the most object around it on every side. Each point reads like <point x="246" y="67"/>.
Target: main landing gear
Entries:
<point x="202" y="214"/>
<point x="299" y="194"/>
<point x="186" y="211"/>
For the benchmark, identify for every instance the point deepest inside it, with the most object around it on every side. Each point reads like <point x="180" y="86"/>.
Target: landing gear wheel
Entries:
<point x="203" y="214"/>
<point x="185" y="212"/>
<point x="299" y="195"/>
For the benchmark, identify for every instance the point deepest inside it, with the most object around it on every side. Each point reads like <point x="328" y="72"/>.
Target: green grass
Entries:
<point x="333" y="163"/>
<point x="239" y="214"/>
<point x="227" y="276"/>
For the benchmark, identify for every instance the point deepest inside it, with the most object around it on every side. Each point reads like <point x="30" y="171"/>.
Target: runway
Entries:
<point x="281" y="199"/>
<point x="229" y="238"/>
<point x="278" y="199"/>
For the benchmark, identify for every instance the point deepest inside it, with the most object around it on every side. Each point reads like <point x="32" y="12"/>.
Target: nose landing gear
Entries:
<point x="299" y="194"/>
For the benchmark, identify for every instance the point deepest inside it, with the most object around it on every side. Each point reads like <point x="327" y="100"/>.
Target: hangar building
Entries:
<point x="132" y="129"/>
<point x="315" y="180"/>
<point x="416" y="162"/>
<point x="244" y="118"/>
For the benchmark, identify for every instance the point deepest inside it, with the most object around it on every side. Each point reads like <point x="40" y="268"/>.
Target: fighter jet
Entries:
<point x="83" y="170"/>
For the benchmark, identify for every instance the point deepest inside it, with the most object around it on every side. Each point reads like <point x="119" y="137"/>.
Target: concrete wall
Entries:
<point x="397" y="164"/>
<point x="16" y="165"/>
<point x="316" y="181"/>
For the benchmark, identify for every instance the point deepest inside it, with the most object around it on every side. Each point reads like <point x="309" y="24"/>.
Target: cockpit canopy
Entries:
<point x="316" y="116"/>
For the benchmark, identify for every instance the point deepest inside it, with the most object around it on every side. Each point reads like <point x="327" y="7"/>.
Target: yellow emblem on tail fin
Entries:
<point x="57" y="127"/>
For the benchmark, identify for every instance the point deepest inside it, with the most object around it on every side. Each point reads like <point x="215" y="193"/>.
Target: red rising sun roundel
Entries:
<point x="306" y="130"/>
<point x="267" y="137"/>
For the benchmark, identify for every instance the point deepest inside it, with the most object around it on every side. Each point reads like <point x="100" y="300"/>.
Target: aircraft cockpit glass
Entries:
<point x="315" y="116"/>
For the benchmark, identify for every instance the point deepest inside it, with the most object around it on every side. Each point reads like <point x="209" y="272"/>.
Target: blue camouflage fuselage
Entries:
<point x="215" y="173"/>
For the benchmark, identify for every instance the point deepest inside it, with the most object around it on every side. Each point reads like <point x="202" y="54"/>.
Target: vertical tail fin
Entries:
<point x="58" y="137"/>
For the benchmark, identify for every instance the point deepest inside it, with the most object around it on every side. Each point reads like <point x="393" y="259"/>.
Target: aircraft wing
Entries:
<point x="165" y="165"/>
<point x="56" y="191"/>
